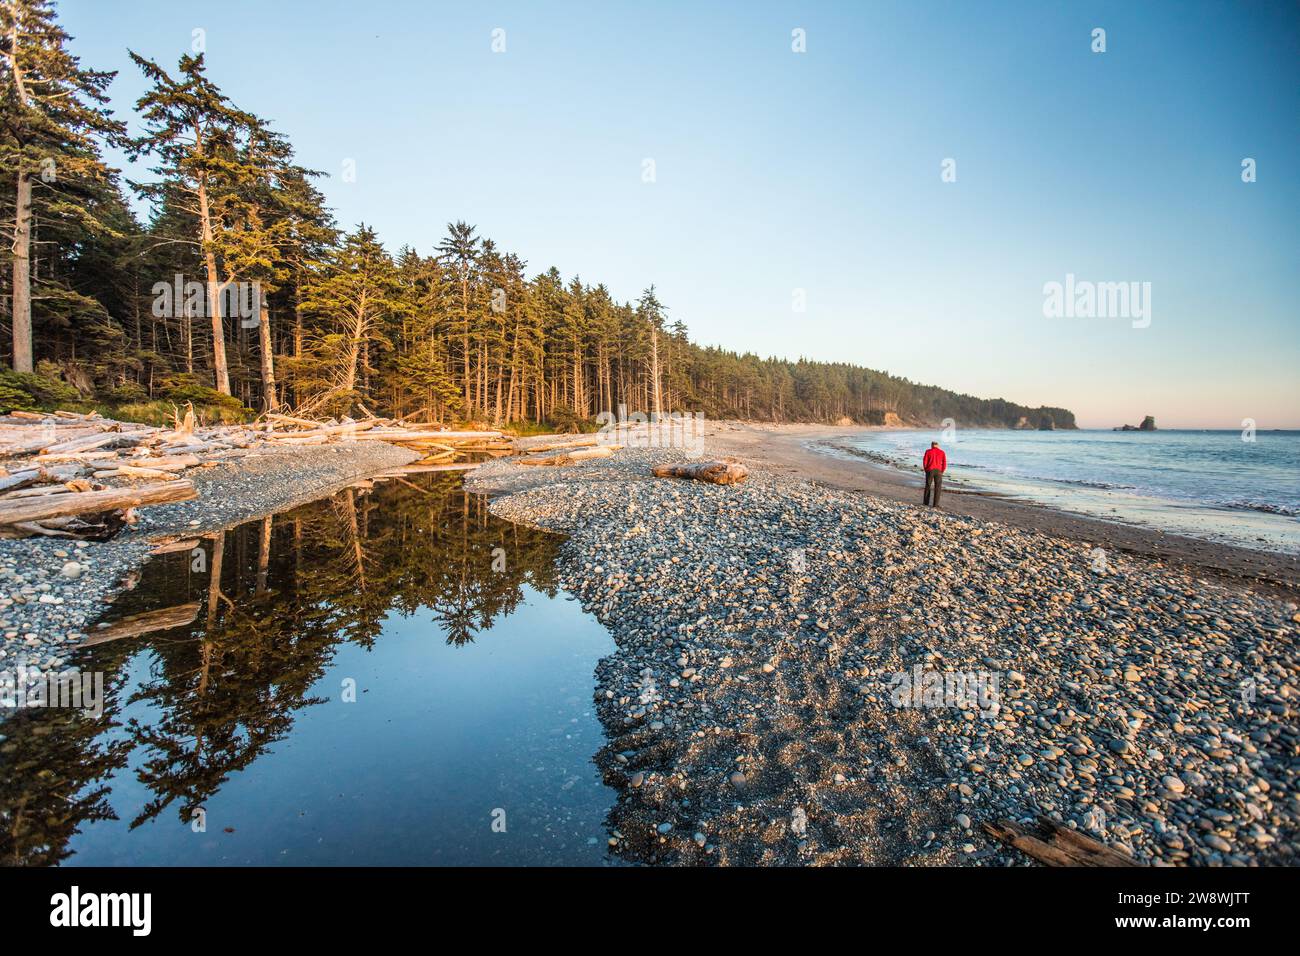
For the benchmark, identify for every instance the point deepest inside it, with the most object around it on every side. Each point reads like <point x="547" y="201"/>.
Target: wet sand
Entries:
<point x="781" y="448"/>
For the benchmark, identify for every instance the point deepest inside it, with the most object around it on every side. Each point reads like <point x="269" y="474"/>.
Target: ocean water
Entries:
<point x="1210" y="484"/>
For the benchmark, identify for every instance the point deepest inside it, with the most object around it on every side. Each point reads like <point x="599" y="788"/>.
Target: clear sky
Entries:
<point x="820" y="171"/>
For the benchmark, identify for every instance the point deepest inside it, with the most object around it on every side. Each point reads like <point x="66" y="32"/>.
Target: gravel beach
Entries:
<point x="52" y="589"/>
<point x="811" y="675"/>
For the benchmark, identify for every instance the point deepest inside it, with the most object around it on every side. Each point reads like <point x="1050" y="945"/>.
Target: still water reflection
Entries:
<point x="233" y="739"/>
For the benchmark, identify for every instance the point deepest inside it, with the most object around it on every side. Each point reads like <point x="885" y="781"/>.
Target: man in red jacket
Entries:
<point x="935" y="463"/>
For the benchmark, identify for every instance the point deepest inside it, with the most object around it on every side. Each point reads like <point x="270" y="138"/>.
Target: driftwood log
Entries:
<point x="417" y="468"/>
<point x="714" y="472"/>
<point x="1055" y="845"/>
<point x="570" y="457"/>
<point x="91" y="502"/>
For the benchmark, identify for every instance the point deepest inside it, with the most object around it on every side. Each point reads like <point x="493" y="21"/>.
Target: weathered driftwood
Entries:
<point x="417" y="468"/>
<point x="323" y="432"/>
<point x="19" y="479"/>
<point x="570" y="457"/>
<point x="167" y="462"/>
<point x="108" y="440"/>
<point x="101" y="526"/>
<point x="134" y="471"/>
<point x="42" y="490"/>
<point x="402" y="435"/>
<point x="77" y="457"/>
<point x="290" y="420"/>
<point x="534" y="446"/>
<point x="91" y="502"/>
<point x="1054" y="845"/>
<point x="714" y="472"/>
<point x="135" y="625"/>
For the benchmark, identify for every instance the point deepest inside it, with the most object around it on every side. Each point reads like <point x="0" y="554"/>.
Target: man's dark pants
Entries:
<point x="933" y="480"/>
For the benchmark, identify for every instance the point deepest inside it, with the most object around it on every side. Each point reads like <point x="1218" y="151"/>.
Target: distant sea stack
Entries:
<point x="1148" y="425"/>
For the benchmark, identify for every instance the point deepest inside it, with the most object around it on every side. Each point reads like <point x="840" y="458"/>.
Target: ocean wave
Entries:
<point x="1102" y="485"/>
<point x="1289" y="511"/>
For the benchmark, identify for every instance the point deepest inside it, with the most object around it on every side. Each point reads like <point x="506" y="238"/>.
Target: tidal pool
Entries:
<point x="389" y="676"/>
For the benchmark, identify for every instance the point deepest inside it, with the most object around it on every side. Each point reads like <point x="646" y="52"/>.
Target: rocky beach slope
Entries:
<point x="807" y="675"/>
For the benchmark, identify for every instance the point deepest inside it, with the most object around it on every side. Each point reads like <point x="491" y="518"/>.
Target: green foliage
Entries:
<point x="122" y="394"/>
<point x="564" y="420"/>
<point x="213" y="406"/>
<point x="33" y="391"/>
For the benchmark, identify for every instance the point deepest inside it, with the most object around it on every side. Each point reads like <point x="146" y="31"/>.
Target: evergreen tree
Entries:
<point x="193" y="130"/>
<point x="51" y="113"/>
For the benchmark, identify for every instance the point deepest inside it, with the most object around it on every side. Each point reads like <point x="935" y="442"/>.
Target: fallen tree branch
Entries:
<point x="1054" y="845"/>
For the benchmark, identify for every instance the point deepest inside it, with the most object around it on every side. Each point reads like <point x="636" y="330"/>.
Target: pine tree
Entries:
<point x="192" y="128"/>
<point x="358" y="290"/>
<point x="650" y="311"/>
<point x="459" y="250"/>
<point x="51" y="112"/>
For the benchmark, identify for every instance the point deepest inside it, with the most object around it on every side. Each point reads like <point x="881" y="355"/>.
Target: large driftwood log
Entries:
<point x="108" y="441"/>
<point x="347" y="428"/>
<point x="534" y="445"/>
<point x="416" y="468"/>
<point x="570" y="457"/>
<point x="399" y="435"/>
<point x="90" y="502"/>
<point x="1055" y="845"/>
<point x="714" y="472"/>
<point x="19" y="479"/>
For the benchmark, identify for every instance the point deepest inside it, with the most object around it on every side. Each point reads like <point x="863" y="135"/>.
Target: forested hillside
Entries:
<point x="241" y="293"/>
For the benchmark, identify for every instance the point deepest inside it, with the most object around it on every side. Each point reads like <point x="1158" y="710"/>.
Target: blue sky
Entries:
<point x="820" y="171"/>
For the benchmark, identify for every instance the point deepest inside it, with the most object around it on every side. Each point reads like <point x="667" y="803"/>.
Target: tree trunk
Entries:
<point x="654" y="371"/>
<point x="268" y="361"/>
<point x="22" y="297"/>
<point x="220" y="373"/>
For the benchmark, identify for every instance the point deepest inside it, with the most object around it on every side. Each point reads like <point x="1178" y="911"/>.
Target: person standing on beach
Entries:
<point x="935" y="463"/>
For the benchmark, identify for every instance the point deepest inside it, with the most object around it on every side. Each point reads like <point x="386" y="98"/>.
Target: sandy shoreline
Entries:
<point x="782" y="449"/>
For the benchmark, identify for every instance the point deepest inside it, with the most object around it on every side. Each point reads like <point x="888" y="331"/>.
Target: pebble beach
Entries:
<point x="767" y="633"/>
<point x="809" y="674"/>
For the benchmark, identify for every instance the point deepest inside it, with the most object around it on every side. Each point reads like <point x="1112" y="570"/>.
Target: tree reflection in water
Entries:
<point x="276" y="597"/>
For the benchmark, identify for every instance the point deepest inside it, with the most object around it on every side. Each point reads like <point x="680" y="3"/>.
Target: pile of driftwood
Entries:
<point x="55" y="471"/>
<point x="435" y="444"/>
<point x="70" y="474"/>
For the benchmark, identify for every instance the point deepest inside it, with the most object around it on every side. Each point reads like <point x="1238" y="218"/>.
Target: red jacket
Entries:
<point x="935" y="460"/>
